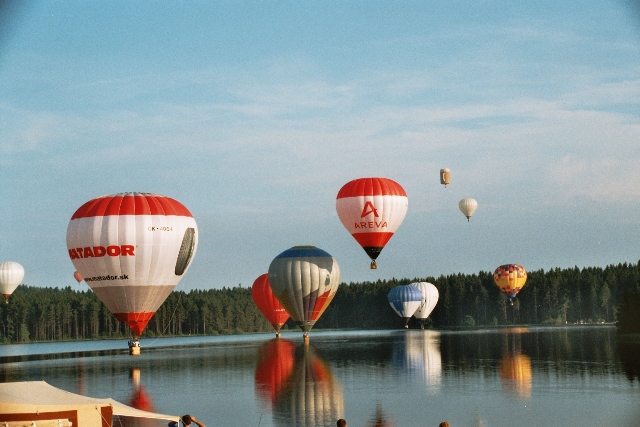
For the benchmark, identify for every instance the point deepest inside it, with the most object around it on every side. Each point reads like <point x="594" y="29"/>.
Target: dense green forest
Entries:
<point x="557" y="296"/>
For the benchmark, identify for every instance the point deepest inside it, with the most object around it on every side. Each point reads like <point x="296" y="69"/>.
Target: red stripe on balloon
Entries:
<point x="136" y="321"/>
<point x="131" y="204"/>
<point x="375" y="239"/>
<point x="371" y="187"/>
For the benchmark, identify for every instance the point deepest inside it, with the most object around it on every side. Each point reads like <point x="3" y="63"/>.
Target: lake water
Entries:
<point x="573" y="376"/>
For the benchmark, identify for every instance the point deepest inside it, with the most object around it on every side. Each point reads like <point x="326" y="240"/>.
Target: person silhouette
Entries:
<point x="186" y="421"/>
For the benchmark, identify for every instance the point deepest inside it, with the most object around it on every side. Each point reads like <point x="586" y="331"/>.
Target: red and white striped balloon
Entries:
<point x="132" y="249"/>
<point x="372" y="209"/>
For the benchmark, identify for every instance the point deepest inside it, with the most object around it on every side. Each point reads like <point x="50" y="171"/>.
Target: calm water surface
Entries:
<point x="576" y="376"/>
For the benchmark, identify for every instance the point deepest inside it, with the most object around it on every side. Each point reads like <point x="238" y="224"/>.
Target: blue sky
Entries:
<point x="254" y="114"/>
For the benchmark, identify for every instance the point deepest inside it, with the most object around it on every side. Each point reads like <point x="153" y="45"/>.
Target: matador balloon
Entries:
<point x="132" y="249"/>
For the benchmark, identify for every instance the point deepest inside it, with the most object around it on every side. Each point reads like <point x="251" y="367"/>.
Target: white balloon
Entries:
<point x="11" y="275"/>
<point x="132" y="249"/>
<point x="430" y="297"/>
<point x="468" y="207"/>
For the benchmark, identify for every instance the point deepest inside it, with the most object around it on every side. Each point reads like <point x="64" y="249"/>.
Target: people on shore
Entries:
<point x="186" y="421"/>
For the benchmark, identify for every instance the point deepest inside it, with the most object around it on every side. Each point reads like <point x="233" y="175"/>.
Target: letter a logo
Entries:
<point x="369" y="208"/>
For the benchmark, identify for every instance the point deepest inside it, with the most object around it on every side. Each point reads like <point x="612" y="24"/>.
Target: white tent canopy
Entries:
<point x="36" y="403"/>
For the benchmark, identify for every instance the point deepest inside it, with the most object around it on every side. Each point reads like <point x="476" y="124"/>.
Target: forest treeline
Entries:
<point x="553" y="297"/>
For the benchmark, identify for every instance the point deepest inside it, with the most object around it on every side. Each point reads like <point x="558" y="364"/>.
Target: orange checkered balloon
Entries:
<point x="510" y="278"/>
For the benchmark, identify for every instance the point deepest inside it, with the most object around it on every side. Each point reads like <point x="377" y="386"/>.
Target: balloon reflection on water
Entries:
<point x="515" y="373"/>
<point x="275" y="366"/>
<point x="418" y="354"/>
<point x="380" y="419"/>
<point x="514" y="368"/>
<point x="139" y="397"/>
<point x="299" y="385"/>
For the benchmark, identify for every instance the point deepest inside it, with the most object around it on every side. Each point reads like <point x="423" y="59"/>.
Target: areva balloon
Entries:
<point x="267" y="303"/>
<point x="132" y="249"/>
<point x="405" y="300"/>
<point x="304" y="279"/>
<point x="510" y="278"/>
<point x="11" y="275"/>
<point x="468" y="207"/>
<point x="372" y="209"/>
<point x="429" y="299"/>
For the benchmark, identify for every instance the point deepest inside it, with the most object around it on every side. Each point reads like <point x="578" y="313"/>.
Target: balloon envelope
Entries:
<point x="445" y="176"/>
<point x="304" y="279"/>
<point x="468" y="207"/>
<point x="11" y="275"/>
<point x="372" y="209"/>
<point x="132" y="249"/>
<point x="429" y="299"/>
<point x="267" y="303"/>
<point x="405" y="300"/>
<point x="510" y="278"/>
<point x="77" y="276"/>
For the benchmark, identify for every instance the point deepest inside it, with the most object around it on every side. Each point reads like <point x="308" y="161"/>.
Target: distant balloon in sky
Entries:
<point x="268" y="304"/>
<point x="132" y="249"/>
<point x="468" y="207"/>
<point x="510" y="278"/>
<point x="304" y="279"/>
<point x="405" y="300"/>
<point x="11" y="275"/>
<point x="77" y="276"/>
<point x="445" y="176"/>
<point x="430" y="297"/>
<point x="372" y="209"/>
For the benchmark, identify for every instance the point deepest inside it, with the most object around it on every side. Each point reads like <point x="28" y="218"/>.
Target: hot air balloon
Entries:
<point x="304" y="279"/>
<point x="429" y="300"/>
<point x="372" y="209"/>
<point x="445" y="176"/>
<point x="468" y="207"/>
<point x="510" y="278"/>
<point x="77" y="276"/>
<point x="405" y="300"/>
<point x="11" y="275"/>
<point x="132" y="249"/>
<point x="268" y="304"/>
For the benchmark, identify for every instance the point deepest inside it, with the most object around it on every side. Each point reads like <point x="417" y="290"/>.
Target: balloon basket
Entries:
<point x="374" y="266"/>
<point x="134" y="348"/>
